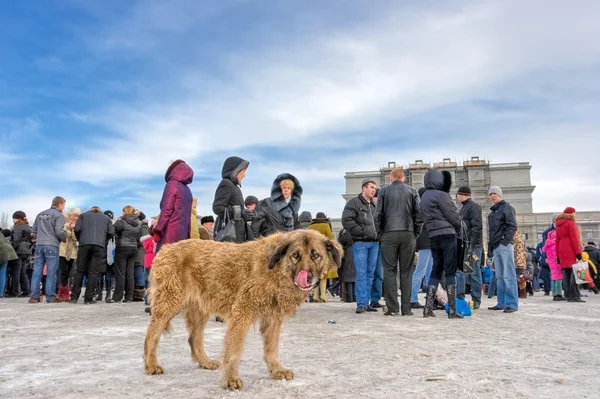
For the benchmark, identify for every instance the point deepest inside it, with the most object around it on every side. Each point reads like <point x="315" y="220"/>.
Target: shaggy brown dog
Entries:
<point x="264" y="280"/>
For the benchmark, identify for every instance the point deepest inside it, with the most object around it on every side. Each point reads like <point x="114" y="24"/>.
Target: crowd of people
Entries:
<point x="397" y="242"/>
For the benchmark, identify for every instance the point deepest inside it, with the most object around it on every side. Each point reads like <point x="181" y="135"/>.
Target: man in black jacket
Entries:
<point x="470" y="213"/>
<point x="502" y="226"/>
<point x="359" y="219"/>
<point x="93" y="229"/>
<point x="399" y="220"/>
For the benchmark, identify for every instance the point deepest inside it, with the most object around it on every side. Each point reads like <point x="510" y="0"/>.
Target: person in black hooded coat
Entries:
<point x="280" y="211"/>
<point x="441" y="218"/>
<point x="228" y="195"/>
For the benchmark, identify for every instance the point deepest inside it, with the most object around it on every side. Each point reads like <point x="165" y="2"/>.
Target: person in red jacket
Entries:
<point x="568" y="249"/>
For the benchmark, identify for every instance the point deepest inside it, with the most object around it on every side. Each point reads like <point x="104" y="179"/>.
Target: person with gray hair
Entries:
<point x="502" y="225"/>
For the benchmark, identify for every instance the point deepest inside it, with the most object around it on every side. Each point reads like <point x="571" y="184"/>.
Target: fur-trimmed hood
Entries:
<point x="438" y="180"/>
<point x="277" y="200"/>
<point x="232" y="166"/>
<point x="562" y="216"/>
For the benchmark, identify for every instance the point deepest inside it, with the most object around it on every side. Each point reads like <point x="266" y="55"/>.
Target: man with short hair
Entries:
<point x="470" y="213"/>
<point x="49" y="231"/>
<point x="502" y="226"/>
<point x="358" y="218"/>
<point x="399" y="220"/>
<point x="206" y="227"/>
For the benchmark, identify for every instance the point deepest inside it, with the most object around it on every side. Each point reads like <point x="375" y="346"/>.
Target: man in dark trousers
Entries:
<point x="470" y="213"/>
<point x="399" y="220"/>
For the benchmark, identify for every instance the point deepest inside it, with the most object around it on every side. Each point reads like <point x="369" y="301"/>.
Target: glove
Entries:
<point x="248" y="215"/>
<point x="578" y="256"/>
<point x="156" y="237"/>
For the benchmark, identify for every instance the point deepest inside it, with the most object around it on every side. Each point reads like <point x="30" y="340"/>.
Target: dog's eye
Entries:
<point x="296" y="255"/>
<point x="315" y="255"/>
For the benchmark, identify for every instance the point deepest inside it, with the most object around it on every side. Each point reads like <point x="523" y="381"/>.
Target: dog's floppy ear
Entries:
<point x="277" y="252"/>
<point x="335" y="251"/>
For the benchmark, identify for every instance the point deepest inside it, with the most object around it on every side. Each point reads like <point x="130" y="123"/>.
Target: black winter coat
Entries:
<point x="358" y="218"/>
<point x="94" y="228"/>
<point x="129" y="231"/>
<point x="228" y="195"/>
<point x="502" y="225"/>
<point x="593" y="253"/>
<point x="437" y="208"/>
<point x="470" y="213"/>
<point x="347" y="271"/>
<point x="279" y="215"/>
<point x="398" y="209"/>
<point x="21" y="239"/>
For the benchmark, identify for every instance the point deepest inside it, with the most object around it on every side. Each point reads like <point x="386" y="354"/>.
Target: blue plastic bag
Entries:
<point x="462" y="307"/>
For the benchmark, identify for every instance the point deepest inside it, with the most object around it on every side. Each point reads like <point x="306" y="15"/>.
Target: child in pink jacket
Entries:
<point x="555" y="270"/>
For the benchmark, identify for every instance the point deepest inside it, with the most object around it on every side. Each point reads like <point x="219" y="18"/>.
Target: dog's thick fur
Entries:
<point x="243" y="283"/>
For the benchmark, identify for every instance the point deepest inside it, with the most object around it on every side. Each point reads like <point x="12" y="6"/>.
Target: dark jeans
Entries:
<point x="64" y="270"/>
<point x="19" y="275"/>
<point x="570" y="285"/>
<point x="397" y="250"/>
<point x="124" y="269"/>
<point x="546" y="279"/>
<point x="443" y="250"/>
<point x="90" y="259"/>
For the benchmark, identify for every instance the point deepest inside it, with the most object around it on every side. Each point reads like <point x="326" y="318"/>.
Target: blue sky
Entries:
<point x="97" y="98"/>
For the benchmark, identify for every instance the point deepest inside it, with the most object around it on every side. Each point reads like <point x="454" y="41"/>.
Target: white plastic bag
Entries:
<point x="579" y="270"/>
<point x="110" y="251"/>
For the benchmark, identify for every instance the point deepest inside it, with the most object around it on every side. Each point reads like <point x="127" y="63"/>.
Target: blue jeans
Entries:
<point x="139" y="276"/>
<point x="3" y="267"/>
<point x="48" y="255"/>
<point x="506" y="277"/>
<point x="475" y="279"/>
<point x="377" y="288"/>
<point x="365" y="262"/>
<point x="147" y="284"/>
<point x="424" y="263"/>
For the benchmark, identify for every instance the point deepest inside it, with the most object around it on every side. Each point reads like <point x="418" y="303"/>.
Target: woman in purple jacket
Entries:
<point x="175" y="206"/>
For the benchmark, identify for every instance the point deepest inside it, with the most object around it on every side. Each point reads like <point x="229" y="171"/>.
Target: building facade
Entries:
<point x="479" y="175"/>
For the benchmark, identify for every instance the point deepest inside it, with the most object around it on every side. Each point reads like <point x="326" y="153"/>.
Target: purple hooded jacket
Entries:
<point x="176" y="205"/>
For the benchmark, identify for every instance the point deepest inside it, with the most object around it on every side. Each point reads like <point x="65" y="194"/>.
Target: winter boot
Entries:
<point x="138" y="295"/>
<point x="99" y="289"/>
<point x="428" y="310"/>
<point x="108" y="290"/>
<point x="63" y="293"/>
<point x="452" y="313"/>
<point x="333" y="289"/>
<point x="595" y="290"/>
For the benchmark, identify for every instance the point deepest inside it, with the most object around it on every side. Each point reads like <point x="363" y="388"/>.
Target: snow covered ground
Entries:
<point x="547" y="349"/>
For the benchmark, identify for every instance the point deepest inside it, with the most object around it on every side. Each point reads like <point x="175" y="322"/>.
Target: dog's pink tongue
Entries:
<point x="301" y="279"/>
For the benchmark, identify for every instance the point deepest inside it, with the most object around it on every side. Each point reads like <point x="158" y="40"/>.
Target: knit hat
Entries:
<point x="207" y="219"/>
<point x="495" y="190"/>
<point x="464" y="190"/>
<point x="321" y="216"/>
<point x="569" y="210"/>
<point x="110" y="214"/>
<point x="19" y="215"/>
<point x="142" y="216"/>
<point x="591" y="243"/>
<point x="367" y="181"/>
<point x="250" y="200"/>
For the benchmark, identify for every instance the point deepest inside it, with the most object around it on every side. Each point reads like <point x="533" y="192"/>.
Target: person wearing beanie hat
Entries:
<point x="470" y="213"/>
<point x="21" y="242"/>
<point x="367" y="181"/>
<point x="358" y="218"/>
<point x="322" y="225"/>
<point x="250" y="202"/>
<point x="568" y="245"/>
<point x="206" y="227"/>
<point x="502" y="226"/>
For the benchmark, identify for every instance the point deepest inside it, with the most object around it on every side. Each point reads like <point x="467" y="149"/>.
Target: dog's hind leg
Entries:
<point x="195" y="321"/>
<point x="270" y="330"/>
<point x="163" y="310"/>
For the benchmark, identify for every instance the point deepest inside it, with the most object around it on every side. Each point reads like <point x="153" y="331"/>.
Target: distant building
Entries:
<point x="479" y="175"/>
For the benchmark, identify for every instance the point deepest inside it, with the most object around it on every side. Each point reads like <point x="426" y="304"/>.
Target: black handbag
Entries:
<point x="227" y="231"/>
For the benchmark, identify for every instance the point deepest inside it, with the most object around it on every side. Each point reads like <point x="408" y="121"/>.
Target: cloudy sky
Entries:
<point x="97" y="98"/>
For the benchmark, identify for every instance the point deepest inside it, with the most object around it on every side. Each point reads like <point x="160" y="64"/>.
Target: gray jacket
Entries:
<point x="437" y="208"/>
<point x="128" y="231"/>
<point x="49" y="228"/>
<point x="94" y="228"/>
<point x="398" y="209"/>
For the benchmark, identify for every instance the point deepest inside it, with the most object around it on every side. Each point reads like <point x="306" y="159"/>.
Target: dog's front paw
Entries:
<point x="154" y="370"/>
<point x="210" y="364"/>
<point x="282" y="374"/>
<point x="231" y="383"/>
